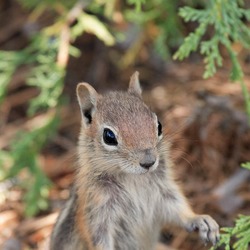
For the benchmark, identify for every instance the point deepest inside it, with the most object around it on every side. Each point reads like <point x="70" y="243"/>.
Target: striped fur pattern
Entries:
<point x="117" y="204"/>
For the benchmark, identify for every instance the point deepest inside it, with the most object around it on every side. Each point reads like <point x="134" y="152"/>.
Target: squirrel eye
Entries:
<point x="109" y="137"/>
<point x="159" y="129"/>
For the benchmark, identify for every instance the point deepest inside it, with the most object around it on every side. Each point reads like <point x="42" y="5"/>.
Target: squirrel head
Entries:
<point x="119" y="132"/>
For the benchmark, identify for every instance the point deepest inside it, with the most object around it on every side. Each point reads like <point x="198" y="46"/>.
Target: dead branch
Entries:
<point x="226" y="195"/>
<point x="33" y="225"/>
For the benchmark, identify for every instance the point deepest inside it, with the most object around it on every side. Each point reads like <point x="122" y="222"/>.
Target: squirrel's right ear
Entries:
<point x="134" y="84"/>
<point x="87" y="99"/>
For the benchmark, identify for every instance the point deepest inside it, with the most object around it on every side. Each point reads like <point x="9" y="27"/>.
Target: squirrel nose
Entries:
<point x="148" y="158"/>
<point x="147" y="165"/>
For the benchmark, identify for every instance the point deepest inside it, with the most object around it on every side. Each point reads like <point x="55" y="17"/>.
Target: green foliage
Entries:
<point x="50" y="4"/>
<point x="240" y="234"/>
<point x="38" y="183"/>
<point x="237" y="237"/>
<point x="137" y="3"/>
<point x="191" y="42"/>
<point x="92" y="24"/>
<point x="170" y="29"/>
<point x="165" y="21"/>
<point x="9" y="62"/>
<point x="24" y="151"/>
<point x="246" y="97"/>
<point x="225" y="238"/>
<point x="5" y="159"/>
<point x="246" y="165"/>
<point x="226" y="19"/>
<point x="47" y="75"/>
<point x="31" y="142"/>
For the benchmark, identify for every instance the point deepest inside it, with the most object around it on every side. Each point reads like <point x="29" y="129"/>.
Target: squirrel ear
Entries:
<point x="134" y="84"/>
<point x="87" y="99"/>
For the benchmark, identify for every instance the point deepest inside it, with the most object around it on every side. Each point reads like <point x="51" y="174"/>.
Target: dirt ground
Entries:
<point x="204" y="120"/>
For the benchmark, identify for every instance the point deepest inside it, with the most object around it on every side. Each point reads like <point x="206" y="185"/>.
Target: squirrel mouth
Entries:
<point x="146" y="171"/>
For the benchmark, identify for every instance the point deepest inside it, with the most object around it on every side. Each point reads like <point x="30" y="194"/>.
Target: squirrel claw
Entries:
<point x="208" y="228"/>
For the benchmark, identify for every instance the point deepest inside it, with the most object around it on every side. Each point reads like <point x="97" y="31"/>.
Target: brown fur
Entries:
<point x="125" y="192"/>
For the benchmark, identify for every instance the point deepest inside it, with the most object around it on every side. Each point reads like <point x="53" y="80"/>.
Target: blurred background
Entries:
<point x="194" y="63"/>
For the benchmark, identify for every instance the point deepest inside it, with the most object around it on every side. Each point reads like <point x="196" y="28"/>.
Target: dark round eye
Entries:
<point x="159" y="129"/>
<point x="109" y="137"/>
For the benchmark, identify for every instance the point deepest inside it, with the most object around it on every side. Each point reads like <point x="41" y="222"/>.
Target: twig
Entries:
<point x="63" y="51"/>
<point x="33" y="225"/>
<point x="227" y="198"/>
<point x="64" y="142"/>
<point x="55" y="167"/>
<point x="12" y="129"/>
<point x="21" y="97"/>
<point x="232" y="184"/>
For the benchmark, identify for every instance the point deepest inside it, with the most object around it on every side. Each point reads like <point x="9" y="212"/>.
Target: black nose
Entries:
<point x="147" y="165"/>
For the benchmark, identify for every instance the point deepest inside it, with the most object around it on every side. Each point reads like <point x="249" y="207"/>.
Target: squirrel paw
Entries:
<point x="207" y="226"/>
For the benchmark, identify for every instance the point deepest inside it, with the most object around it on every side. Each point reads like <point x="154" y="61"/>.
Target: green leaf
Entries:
<point x="241" y="232"/>
<point x="246" y="165"/>
<point x="191" y="42"/>
<point x="191" y="14"/>
<point x="5" y="163"/>
<point x="138" y="4"/>
<point x="24" y="152"/>
<point x="210" y="49"/>
<point x="9" y="62"/>
<point x="92" y="24"/>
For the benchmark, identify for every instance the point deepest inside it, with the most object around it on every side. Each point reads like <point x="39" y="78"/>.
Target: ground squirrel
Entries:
<point x="124" y="190"/>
